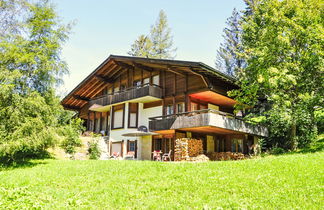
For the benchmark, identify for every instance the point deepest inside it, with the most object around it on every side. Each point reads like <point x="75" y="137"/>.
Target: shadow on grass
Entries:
<point x="25" y="162"/>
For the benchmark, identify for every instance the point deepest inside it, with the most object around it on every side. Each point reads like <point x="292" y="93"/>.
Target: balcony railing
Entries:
<point x="128" y="94"/>
<point x="203" y="118"/>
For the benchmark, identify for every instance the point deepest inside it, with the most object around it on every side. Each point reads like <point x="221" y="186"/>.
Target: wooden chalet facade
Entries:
<point x="172" y="98"/>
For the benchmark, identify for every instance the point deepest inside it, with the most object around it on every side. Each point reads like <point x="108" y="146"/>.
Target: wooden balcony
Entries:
<point x="207" y="120"/>
<point x="145" y="90"/>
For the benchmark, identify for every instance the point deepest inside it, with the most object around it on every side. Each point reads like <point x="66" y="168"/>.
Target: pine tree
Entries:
<point x="142" y="47"/>
<point x="162" y="40"/>
<point x="228" y="59"/>
<point x="158" y="44"/>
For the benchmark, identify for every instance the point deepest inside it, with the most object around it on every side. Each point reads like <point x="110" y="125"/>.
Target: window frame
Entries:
<point x="129" y="115"/>
<point x="236" y="142"/>
<point x="182" y="104"/>
<point x="113" y="117"/>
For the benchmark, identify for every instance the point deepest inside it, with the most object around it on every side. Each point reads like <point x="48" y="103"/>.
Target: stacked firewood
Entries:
<point x="225" y="156"/>
<point x="181" y="149"/>
<point x="199" y="158"/>
<point x="195" y="147"/>
<point x="186" y="149"/>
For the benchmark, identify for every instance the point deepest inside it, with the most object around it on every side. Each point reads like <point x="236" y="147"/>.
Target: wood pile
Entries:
<point x="186" y="148"/>
<point x="199" y="158"/>
<point x="195" y="147"/>
<point x="225" y="156"/>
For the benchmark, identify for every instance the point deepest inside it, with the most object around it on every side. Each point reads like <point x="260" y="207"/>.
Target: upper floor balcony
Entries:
<point x="141" y="93"/>
<point x="208" y="121"/>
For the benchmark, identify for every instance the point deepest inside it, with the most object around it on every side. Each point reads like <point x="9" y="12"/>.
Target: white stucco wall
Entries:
<point x="147" y="113"/>
<point x="143" y="143"/>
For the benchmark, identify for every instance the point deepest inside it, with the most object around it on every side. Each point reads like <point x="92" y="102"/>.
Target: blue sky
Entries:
<point x="105" y="27"/>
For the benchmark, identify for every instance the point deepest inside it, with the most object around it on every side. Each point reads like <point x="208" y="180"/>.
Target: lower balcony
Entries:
<point x="206" y="121"/>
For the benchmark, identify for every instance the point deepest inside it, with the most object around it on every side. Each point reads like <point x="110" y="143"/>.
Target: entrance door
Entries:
<point x="116" y="148"/>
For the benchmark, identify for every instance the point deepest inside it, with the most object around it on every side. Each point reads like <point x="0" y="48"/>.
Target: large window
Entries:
<point x="169" y="109"/>
<point x="194" y="106"/>
<point x="180" y="107"/>
<point x="118" y="116"/>
<point x="116" y="89"/>
<point x="237" y="145"/>
<point x="133" y="115"/>
<point x="156" y="80"/>
<point x="146" y="80"/>
<point x="137" y="83"/>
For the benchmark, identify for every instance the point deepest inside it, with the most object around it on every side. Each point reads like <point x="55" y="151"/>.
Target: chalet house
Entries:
<point x="172" y="98"/>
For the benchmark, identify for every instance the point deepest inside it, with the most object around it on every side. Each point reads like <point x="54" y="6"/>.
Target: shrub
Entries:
<point x="277" y="151"/>
<point x="71" y="138"/>
<point x="93" y="150"/>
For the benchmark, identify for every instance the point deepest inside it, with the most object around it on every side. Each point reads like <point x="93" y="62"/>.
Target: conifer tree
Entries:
<point x="228" y="59"/>
<point x="158" y="44"/>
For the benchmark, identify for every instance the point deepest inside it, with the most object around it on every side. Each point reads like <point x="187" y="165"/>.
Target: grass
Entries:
<point x="275" y="182"/>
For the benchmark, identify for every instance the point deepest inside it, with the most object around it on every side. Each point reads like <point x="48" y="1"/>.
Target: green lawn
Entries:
<point x="274" y="182"/>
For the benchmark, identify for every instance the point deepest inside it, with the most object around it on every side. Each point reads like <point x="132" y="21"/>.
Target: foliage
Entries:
<point x="277" y="151"/>
<point x="273" y="182"/>
<point x="159" y="44"/>
<point x="283" y="45"/>
<point x="228" y="59"/>
<point x="141" y="47"/>
<point x="93" y="150"/>
<point x="71" y="134"/>
<point x="31" y="117"/>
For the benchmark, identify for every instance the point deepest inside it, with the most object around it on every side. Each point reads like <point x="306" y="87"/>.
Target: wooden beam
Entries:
<point x="141" y="66"/>
<point x="119" y="73"/>
<point x="104" y="79"/>
<point x="72" y="107"/>
<point x="202" y="77"/>
<point x="81" y="98"/>
<point x="124" y="65"/>
<point x="176" y="72"/>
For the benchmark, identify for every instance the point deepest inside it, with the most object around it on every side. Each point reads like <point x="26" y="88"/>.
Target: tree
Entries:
<point x="228" y="59"/>
<point x="283" y="43"/>
<point x="31" y="117"/>
<point x="158" y="44"/>
<point x="142" y="47"/>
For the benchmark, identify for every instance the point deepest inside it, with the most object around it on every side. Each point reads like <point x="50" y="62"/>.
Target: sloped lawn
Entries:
<point x="277" y="182"/>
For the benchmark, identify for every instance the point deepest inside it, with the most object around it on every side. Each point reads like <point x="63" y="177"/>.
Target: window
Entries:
<point x="122" y="87"/>
<point x="104" y="91"/>
<point x="237" y="145"/>
<point x="169" y="109"/>
<point x="137" y="83"/>
<point x="156" y="80"/>
<point x="203" y="106"/>
<point x="157" y="144"/>
<point x="180" y="107"/>
<point x="133" y="115"/>
<point x="146" y="81"/>
<point x="118" y="116"/>
<point x="131" y="146"/>
<point x="194" y="106"/>
<point x="116" y="89"/>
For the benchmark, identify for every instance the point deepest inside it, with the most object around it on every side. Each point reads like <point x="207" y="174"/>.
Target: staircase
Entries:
<point x="103" y="148"/>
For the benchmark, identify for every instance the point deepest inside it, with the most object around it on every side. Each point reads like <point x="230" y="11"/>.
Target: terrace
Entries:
<point x="206" y="121"/>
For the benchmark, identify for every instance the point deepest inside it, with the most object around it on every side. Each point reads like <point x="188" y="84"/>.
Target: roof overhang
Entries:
<point x="107" y="72"/>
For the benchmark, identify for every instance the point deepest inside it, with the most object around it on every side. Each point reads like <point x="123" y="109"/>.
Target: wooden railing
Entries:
<point x="165" y="122"/>
<point x="203" y="118"/>
<point x="128" y="94"/>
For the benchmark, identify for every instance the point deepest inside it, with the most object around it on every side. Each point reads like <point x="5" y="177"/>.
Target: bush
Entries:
<point x="93" y="150"/>
<point x="277" y="151"/>
<point x="71" y="138"/>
